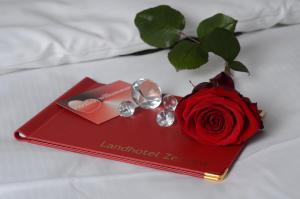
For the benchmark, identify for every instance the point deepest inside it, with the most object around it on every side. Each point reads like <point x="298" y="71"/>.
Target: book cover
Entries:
<point x="137" y="139"/>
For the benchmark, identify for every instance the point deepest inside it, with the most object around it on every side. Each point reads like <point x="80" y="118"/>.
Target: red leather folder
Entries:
<point x="137" y="140"/>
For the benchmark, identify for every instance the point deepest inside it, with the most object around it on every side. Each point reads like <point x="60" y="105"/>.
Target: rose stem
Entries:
<point x="227" y="69"/>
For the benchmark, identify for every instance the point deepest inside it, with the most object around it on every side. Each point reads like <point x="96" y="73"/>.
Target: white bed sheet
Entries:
<point x="268" y="167"/>
<point x="35" y="33"/>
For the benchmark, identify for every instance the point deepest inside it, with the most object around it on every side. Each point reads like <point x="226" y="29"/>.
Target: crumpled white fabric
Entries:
<point x="268" y="168"/>
<point x="36" y="33"/>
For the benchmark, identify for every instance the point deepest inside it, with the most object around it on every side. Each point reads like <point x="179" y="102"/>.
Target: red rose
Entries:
<point x="215" y="113"/>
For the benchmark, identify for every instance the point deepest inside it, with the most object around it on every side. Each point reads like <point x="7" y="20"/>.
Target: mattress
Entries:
<point x="267" y="168"/>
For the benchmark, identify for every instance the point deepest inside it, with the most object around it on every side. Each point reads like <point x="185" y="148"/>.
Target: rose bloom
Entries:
<point x="216" y="114"/>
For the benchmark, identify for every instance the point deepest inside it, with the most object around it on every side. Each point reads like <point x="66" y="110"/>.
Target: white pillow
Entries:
<point x="36" y="33"/>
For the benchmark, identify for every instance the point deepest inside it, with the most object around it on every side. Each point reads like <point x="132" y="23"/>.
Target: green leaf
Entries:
<point x="217" y="21"/>
<point x="238" y="66"/>
<point x="160" y="26"/>
<point x="223" y="43"/>
<point x="187" y="55"/>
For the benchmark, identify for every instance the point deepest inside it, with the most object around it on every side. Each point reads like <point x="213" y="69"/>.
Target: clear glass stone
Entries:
<point x="126" y="108"/>
<point x="170" y="102"/>
<point x="146" y="93"/>
<point x="165" y="118"/>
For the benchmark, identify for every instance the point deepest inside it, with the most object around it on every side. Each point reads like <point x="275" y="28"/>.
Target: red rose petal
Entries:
<point x="218" y="116"/>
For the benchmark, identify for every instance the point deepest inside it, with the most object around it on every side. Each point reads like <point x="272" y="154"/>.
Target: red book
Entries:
<point x="137" y="140"/>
